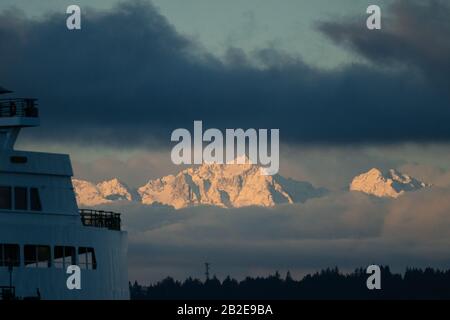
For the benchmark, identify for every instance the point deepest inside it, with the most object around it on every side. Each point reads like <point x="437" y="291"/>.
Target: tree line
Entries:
<point x="329" y="283"/>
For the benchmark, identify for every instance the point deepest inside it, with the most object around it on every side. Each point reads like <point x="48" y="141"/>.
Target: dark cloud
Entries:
<point x="414" y="34"/>
<point x="128" y="78"/>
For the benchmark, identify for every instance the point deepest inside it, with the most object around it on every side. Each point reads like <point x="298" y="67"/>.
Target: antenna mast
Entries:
<point x="207" y="265"/>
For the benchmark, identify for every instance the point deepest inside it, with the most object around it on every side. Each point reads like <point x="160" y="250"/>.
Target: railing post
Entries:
<point x="100" y="219"/>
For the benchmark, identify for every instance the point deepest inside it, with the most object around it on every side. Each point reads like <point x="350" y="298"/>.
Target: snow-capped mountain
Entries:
<point x="391" y="184"/>
<point x="228" y="186"/>
<point x="115" y="190"/>
<point x="90" y="194"/>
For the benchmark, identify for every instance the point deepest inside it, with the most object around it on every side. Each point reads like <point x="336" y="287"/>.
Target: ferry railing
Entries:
<point x="7" y="293"/>
<point x="18" y="108"/>
<point x="100" y="219"/>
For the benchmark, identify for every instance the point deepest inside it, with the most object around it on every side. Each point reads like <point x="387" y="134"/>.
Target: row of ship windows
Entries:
<point x="23" y="198"/>
<point x="39" y="256"/>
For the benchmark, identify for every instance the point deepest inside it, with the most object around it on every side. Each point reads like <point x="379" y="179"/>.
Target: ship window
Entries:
<point x="35" y="200"/>
<point x="5" y="198"/>
<point x="64" y="256"/>
<point x="9" y="255"/>
<point x="17" y="159"/>
<point x="86" y="258"/>
<point x="37" y="256"/>
<point x="20" y="198"/>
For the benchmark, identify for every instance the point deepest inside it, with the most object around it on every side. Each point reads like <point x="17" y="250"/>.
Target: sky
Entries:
<point x="249" y="24"/>
<point x="130" y="70"/>
<point x="345" y="99"/>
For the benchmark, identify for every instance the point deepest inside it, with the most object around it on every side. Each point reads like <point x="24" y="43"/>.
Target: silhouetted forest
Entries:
<point x="326" y="284"/>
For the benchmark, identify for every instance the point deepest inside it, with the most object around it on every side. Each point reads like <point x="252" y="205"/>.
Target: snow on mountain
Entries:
<point x="223" y="185"/>
<point x="115" y="190"/>
<point x="230" y="185"/>
<point x="391" y="184"/>
<point x="89" y="194"/>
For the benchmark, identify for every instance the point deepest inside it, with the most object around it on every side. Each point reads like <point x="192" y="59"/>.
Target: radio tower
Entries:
<point x="207" y="265"/>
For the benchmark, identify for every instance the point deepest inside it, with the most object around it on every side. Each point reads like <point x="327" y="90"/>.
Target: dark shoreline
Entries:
<point x="328" y="284"/>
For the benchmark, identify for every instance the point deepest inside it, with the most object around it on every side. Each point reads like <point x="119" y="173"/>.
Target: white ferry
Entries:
<point x="42" y="231"/>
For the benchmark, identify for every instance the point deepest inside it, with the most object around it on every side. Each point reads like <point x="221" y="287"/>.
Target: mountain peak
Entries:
<point x="390" y="184"/>
<point x="111" y="181"/>
<point x="375" y="171"/>
<point x="225" y="185"/>
<point x="114" y="189"/>
<point x="240" y="160"/>
<point x="87" y="193"/>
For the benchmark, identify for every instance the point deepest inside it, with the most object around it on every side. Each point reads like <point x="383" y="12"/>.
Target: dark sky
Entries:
<point x="128" y="78"/>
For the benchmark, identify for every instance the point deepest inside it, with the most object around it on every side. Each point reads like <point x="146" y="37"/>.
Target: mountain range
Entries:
<point x="234" y="186"/>
<point x="222" y="185"/>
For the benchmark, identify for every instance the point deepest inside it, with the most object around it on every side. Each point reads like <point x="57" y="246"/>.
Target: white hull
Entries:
<point x="108" y="281"/>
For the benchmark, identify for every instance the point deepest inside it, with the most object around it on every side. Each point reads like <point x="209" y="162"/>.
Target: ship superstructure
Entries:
<point x="42" y="230"/>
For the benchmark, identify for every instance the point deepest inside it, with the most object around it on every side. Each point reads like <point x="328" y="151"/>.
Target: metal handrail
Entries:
<point x="101" y="219"/>
<point x="20" y="107"/>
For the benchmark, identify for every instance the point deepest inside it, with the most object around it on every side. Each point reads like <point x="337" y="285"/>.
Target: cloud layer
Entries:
<point x="344" y="229"/>
<point x="128" y="78"/>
